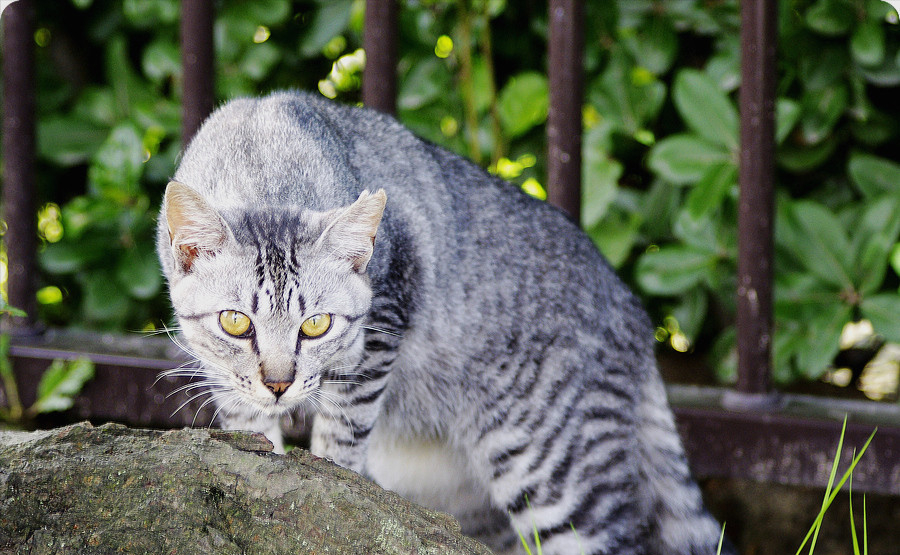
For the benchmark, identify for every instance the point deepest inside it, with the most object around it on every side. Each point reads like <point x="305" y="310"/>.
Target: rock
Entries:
<point x="112" y="489"/>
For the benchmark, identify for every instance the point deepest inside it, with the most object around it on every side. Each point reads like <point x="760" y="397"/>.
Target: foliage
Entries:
<point x="831" y="491"/>
<point x="660" y="144"/>
<point x="56" y="391"/>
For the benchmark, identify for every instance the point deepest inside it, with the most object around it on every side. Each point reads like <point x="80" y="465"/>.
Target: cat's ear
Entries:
<point x="350" y="233"/>
<point x="195" y="228"/>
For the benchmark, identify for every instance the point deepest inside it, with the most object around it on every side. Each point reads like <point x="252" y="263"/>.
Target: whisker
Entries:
<point x="210" y="383"/>
<point x="382" y="330"/>
<point x="211" y="399"/>
<point x="235" y="401"/>
<point x="192" y="398"/>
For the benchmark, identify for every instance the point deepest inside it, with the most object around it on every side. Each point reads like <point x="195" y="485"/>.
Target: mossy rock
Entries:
<point x="112" y="489"/>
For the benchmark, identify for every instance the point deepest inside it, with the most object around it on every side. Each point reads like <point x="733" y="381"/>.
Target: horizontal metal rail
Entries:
<point x="792" y="443"/>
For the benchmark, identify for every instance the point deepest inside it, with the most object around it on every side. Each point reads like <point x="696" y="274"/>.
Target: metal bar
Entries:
<point x="565" y="47"/>
<point x="19" y="158"/>
<point x="379" y="85"/>
<point x="756" y="205"/>
<point x="787" y="449"/>
<point x="793" y="444"/>
<point x="197" y="65"/>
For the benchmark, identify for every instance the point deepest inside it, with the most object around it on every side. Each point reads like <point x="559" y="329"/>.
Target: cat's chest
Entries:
<point x="429" y="471"/>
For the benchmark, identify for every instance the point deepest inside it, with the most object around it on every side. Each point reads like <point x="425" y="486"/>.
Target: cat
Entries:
<point x="456" y="340"/>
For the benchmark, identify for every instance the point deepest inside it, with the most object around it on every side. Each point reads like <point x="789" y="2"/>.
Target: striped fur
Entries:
<point x="483" y="358"/>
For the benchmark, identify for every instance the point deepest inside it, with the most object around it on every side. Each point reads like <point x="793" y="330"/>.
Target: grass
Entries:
<point x="831" y="492"/>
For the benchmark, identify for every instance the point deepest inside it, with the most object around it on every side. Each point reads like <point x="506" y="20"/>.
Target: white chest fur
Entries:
<point x="427" y="471"/>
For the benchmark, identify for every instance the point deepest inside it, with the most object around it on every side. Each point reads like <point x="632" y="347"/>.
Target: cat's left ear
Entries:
<point x="351" y="232"/>
<point x="195" y="227"/>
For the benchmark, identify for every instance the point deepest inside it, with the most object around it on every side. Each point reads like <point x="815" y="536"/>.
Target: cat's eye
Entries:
<point x="317" y="325"/>
<point x="235" y="323"/>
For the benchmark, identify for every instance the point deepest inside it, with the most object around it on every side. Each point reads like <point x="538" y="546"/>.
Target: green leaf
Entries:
<point x="874" y="235"/>
<point x="711" y="189"/>
<point x="824" y="69"/>
<point x="821" y="244"/>
<point x="265" y="12"/>
<point x="615" y="235"/>
<point x="653" y="44"/>
<point x="883" y="310"/>
<point x="601" y="179"/>
<point x="724" y="355"/>
<point x="146" y="14"/>
<point x="895" y="258"/>
<point x="259" y="60"/>
<point x="104" y="300"/>
<point x="822" y="108"/>
<point x="887" y="74"/>
<point x="822" y="334"/>
<point x="6" y="308"/>
<point x="523" y="103"/>
<point x="86" y="215"/>
<point x="97" y="105"/>
<point x="787" y="114"/>
<point x="673" y="269"/>
<point x="127" y="86"/>
<point x="724" y="68"/>
<point x="705" y="108"/>
<point x="788" y="342"/>
<point x="116" y="169"/>
<point x="329" y="20"/>
<point x="690" y="312"/>
<point x="425" y="82"/>
<point x="874" y="176"/>
<point x="67" y="257"/>
<point x="867" y="43"/>
<point x="626" y="96"/>
<point x="800" y="158"/>
<point x="68" y="141"/>
<point x="59" y="385"/>
<point x="139" y="273"/>
<point x="701" y="233"/>
<point x="682" y="159"/>
<point x="830" y="17"/>
<point x="161" y="60"/>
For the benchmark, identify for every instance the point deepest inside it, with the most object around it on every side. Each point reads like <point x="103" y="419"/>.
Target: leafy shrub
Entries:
<point x="660" y="144"/>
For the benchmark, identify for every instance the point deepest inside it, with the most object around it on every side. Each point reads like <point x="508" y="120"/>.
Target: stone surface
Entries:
<point x="112" y="489"/>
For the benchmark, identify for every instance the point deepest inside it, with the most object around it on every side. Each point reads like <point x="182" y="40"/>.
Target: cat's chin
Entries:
<point x="277" y="408"/>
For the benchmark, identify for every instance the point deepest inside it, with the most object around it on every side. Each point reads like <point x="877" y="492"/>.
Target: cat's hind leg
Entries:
<point x="564" y="462"/>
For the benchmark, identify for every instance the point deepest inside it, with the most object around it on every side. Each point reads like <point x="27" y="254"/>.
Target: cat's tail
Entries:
<point x="681" y="523"/>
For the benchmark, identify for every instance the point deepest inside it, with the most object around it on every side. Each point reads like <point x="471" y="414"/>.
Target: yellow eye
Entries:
<point x="235" y="323"/>
<point x="317" y="325"/>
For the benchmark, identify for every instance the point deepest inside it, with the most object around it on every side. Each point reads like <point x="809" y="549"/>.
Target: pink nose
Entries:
<point x="278" y="388"/>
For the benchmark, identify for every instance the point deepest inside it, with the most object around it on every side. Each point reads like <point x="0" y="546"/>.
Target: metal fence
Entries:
<point x="750" y="431"/>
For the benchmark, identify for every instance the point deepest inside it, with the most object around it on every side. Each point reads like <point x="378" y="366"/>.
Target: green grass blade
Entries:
<point x="865" y="529"/>
<point x="524" y="542"/>
<point x="537" y="539"/>
<point x="832" y="490"/>
<point x="814" y="531"/>
<point x="852" y="521"/>
<point x="721" y="540"/>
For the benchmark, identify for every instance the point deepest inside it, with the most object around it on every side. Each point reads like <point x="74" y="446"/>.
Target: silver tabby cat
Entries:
<point x="457" y="341"/>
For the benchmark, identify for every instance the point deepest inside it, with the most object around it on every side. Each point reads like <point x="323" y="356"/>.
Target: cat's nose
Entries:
<point x="278" y="388"/>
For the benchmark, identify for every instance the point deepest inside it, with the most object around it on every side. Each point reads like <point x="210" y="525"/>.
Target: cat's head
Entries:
<point x="275" y="300"/>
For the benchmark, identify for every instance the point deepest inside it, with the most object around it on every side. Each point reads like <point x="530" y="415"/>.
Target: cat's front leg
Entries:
<point x="347" y="413"/>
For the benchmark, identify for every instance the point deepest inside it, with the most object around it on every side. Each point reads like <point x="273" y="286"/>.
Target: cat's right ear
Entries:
<point x="195" y="228"/>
